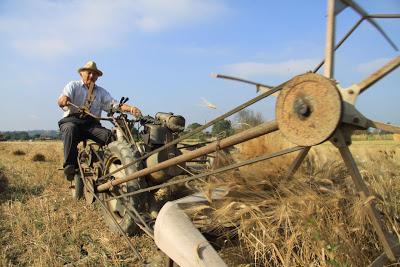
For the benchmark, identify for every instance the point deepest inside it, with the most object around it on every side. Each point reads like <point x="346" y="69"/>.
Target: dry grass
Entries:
<point x="39" y="157"/>
<point x="40" y="224"/>
<point x="19" y="152"/>
<point x="265" y="145"/>
<point x="315" y="219"/>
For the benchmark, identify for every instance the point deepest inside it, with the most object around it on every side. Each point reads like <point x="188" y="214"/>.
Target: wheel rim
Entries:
<point x="116" y="206"/>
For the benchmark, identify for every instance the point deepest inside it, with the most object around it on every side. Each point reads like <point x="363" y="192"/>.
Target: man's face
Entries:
<point x="89" y="76"/>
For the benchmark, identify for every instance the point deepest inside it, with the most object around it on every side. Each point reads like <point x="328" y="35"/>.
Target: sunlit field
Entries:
<point x="40" y="223"/>
<point x="312" y="219"/>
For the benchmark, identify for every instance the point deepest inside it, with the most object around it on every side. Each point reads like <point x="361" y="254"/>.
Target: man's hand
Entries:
<point x="131" y="109"/>
<point x="135" y="112"/>
<point x="63" y="101"/>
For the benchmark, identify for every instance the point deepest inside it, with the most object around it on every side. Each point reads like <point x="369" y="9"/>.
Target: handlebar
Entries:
<point x="83" y="110"/>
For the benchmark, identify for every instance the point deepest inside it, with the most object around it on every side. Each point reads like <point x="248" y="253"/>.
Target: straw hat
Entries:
<point x="91" y="65"/>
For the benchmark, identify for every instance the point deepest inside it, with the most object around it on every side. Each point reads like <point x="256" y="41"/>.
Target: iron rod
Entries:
<point x="362" y="189"/>
<point x="379" y="74"/>
<point x="201" y="128"/>
<point x="217" y="171"/>
<point x="330" y="40"/>
<point x="297" y="162"/>
<point x="142" y="225"/>
<point x="241" y="80"/>
<point x="340" y="43"/>
<point x="108" y="212"/>
<point x="384" y="126"/>
<point x="257" y="131"/>
<point x="383" y="16"/>
<point x="364" y="14"/>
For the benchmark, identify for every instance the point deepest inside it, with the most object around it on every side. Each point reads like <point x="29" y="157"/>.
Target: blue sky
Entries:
<point x="161" y="53"/>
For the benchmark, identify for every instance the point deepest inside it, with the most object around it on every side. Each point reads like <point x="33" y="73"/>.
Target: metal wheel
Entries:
<point x="76" y="187"/>
<point x="119" y="154"/>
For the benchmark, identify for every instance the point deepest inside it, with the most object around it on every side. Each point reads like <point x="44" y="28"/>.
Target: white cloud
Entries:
<point x="255" y="69"/>
<point x="372" y="66"/>
<point x="50" y="29"/>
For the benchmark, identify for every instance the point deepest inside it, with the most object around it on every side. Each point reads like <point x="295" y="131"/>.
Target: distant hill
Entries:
<point x="48" y="133"/>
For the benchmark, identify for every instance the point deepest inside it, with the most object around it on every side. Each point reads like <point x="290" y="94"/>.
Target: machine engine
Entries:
<point x="158" y="131"/>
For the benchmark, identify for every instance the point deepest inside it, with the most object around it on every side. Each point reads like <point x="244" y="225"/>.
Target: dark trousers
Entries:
<point x="73" y="130"/>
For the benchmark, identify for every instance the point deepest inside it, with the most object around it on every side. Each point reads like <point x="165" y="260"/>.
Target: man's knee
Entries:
<point x="69" y="129"/>
<point x="110" y="137"/>
<point x="101" y="135"/>
<point x="107" y="136"/>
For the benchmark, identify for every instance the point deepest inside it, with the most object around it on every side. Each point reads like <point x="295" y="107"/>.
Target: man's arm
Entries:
<point x="66" y="94"/>
<point x="63" y="101"/>
<point x="109" y="103"/>
<point x="131" y="109"/>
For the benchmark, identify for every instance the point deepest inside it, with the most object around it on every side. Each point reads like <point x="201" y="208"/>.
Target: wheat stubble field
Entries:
<point x="313" y="219"/>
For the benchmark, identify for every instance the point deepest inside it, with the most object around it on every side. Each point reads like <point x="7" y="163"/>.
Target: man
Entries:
<point x="74" y="126"/>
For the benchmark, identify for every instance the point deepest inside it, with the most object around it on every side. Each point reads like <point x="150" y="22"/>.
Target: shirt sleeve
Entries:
<point x="107" y="102"/>
<point x="67" y="90"/>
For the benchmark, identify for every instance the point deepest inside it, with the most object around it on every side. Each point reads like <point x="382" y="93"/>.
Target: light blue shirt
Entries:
<point x="76" y="91"/>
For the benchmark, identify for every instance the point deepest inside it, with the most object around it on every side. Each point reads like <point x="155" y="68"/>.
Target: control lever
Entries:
<point x="123" y="100"/>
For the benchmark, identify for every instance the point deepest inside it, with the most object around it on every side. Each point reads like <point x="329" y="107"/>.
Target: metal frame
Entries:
<point x="351" y="120"/>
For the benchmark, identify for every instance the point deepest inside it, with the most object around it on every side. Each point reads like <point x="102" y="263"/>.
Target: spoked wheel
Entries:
<point x="119" y="154"/>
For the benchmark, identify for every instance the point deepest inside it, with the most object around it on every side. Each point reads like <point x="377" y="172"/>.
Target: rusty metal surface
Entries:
<point x="330" y="40"/>
<point x="308" y="109"/>
<point x="201" y="128"/>
<point x="379" y="74"/>
<point x="262" y="129"/>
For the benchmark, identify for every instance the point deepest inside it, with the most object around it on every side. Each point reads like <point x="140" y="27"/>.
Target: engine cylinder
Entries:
<point x="175" y="123"/>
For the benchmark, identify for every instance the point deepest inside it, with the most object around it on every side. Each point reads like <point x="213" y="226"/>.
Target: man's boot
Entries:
<point x="69" y="172"/>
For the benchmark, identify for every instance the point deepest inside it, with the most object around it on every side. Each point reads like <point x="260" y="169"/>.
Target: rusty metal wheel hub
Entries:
<point x="308" y="109"/>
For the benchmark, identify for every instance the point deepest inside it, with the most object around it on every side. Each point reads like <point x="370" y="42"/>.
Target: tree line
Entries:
<point x="244" y="119"/>
<point x="29" y="135"/>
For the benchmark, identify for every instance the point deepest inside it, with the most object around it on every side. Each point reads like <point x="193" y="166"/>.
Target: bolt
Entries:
<point x="301" y="107"/>
<point x="356" y="120"/>
<point x="351" y="92"/>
